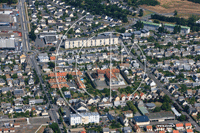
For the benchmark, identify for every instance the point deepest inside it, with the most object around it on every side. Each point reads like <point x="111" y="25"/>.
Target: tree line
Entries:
<point x="179" y="21"/>
<point x="142" y="2"/>
<point x="195" y="1"/>
<point x="9" y="2"/>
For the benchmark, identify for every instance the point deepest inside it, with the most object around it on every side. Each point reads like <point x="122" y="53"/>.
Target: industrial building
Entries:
<point x="161" y="116"/>
<point x="168" y="27"/>
<point x="7" y="43"/>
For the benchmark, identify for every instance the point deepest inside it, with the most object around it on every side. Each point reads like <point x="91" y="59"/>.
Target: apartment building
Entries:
<point x="86" y="42"/>
<point x="92" y="117"/>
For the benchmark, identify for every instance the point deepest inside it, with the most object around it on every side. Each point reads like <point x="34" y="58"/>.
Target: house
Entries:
<point x="127" y="129"/>
<point x="136" y="128"/>
<point x="5" y="130"/>
<point x="67" y="94"/>
<point x="22" y="58"/>
<point x="18" y="92"/>
<point x="61" y="102"/>
<point x="188" y="126"/>
<point x="149" y="128"/>
<point x="2" y="82"/>
<point x="16" y="125"/>
<point x="119" y="103"/>
<point x="128" y="114"/>
<point x="189" y="131"/>
<point x="35" y="101"/>
<point x="31" y="81"/>
<point x="179" y="126"/>
<point x="175" y="131"/>
<point x="12" y="130"/>
<point x="124" y="120"/>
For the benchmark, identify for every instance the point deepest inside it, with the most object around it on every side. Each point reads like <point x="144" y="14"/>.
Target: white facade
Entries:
<point x="85" y="42"/>
<point x="43" y="57"/>
<point x="86" y="118"/>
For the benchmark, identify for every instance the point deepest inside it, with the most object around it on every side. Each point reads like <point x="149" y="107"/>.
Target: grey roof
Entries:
<point x="7" y="43"/>
<point x="50" y="39"/>
<point x="143" y="118"/>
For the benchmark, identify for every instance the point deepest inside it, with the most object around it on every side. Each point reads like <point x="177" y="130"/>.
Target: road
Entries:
<point x="24" y="26"/>
<point x="160" y="85"/>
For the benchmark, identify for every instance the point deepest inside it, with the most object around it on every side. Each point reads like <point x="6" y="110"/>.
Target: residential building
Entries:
<point x="85" y="118"/>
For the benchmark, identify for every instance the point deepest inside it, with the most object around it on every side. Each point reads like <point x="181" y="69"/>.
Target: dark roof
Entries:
<point x="143" y="118"/>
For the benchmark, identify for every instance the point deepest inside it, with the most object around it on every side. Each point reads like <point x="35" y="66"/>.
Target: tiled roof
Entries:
<point x="188" y="124"/>
<point x="179" y="125"/>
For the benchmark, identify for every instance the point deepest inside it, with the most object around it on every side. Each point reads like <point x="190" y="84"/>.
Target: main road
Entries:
<point x="24" y="25"/>
<point x="33" y="62"/>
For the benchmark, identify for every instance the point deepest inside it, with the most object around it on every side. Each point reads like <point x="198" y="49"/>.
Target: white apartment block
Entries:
<point x="86" y="42"/>
<point x="85" y="118"/>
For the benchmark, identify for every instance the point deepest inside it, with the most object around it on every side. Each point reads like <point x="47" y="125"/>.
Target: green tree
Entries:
<point x="32" y="35"/>
<point x="55" y="127"/>
<point x="139" y="25"/>
<point x="14" y="76"/>
<point x="175" y="13"/>
<point x="52" y="49"/>
<point x="140" y="13"/>
<point x="157" y="109"/>
<point x="177" y="29"/>
<point x="51" y="65"/>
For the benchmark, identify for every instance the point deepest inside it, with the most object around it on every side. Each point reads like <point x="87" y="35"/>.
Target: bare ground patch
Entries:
<point x="169" y="6"/>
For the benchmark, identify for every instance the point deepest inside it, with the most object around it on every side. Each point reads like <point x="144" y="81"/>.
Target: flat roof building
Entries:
<point x="7" y="43"/>
<point x="161" y="116"/>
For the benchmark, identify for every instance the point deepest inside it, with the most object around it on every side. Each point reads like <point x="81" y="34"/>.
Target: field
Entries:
<point x="169" y="6"/>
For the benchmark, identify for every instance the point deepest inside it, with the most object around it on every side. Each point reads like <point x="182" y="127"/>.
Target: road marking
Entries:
<point x="24" y="27"/>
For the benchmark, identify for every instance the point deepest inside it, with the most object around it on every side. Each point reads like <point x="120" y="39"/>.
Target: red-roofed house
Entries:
<point x="123" y="97"/>
<point x="189" y="131"/>
<point x="175" y="131"/>
<point x="5" y="130"/>
<point x="188" y="126"/>
<point x="149" y="128"/>
<point x="12" y="130"/>
<point x="142" y="96"/>
<point x="129" y="97"/>
<point x="179" y="126"/>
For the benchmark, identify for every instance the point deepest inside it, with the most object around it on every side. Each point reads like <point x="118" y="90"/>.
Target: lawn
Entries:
<point x="158" y="104"/>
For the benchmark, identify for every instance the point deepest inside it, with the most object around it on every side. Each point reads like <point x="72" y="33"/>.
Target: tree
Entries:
<point x="69" y="76"/>
<point x="182" y="118"/>
<point x="166" y="106"/>
<point x="177" y="29"/>
<point x="54" y="127"/>
<point x="106" y="109"/>
<point x="157" y="109"/>
<point x="52" y="49"/>
<point x="140" y="13"/>
<point x="125" y="108"/>
<point x="51" y="65"/>
<point x="139" y="25"/>
<point x="161" y="29"/>
<point x="14" y="76"/>
<point x="175" y="13"/>
<point x="133" y="36"/>
<point x="32" y="35"/>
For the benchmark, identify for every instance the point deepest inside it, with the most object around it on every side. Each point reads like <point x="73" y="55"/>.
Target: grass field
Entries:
<point x="169" y="6"/>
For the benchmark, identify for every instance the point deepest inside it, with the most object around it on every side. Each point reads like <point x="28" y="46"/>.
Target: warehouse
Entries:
<point x="7" y="43"/>
<point x="161" y="116"/>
